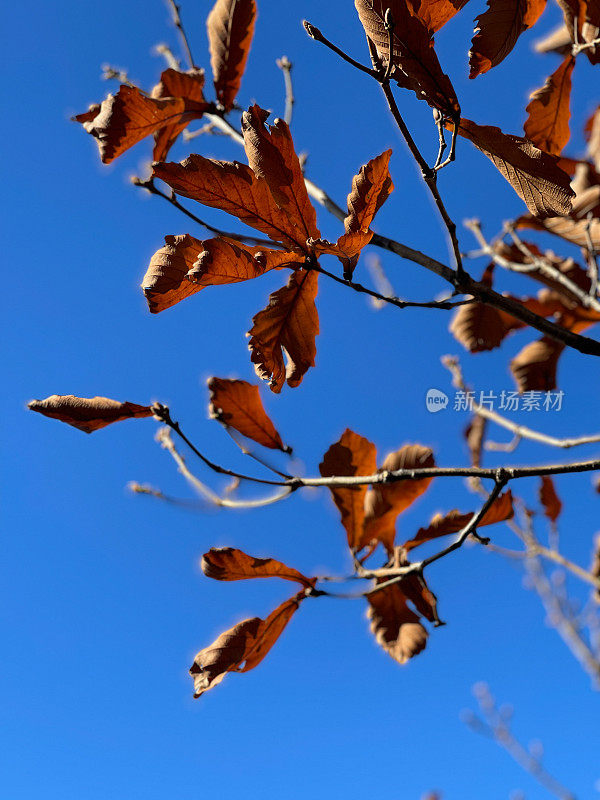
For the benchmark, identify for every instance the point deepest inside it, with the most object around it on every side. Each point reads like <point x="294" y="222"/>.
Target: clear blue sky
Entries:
<point x="104" y="604"/>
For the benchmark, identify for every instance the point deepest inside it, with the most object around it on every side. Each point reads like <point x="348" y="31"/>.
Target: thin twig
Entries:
<point x="316" y="34"/>
<point x="175" y="8"/>
<point x="285" y="65"/>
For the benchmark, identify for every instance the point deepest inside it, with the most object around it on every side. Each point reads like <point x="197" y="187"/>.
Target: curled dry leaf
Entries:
<point x="534" y="175"/>
<point x="572" y="230"/>
<point x="230" y="27"/>
<point x="351" y="455"/>
<point x="237" y="404"/>
<point x="124" y="119"/>
<point x="288" y="326"/>
<point x="384" y="502"/>
<point x="454" y="521"/>
<point x="89" y="414"/>
<point x="234" y="188"/>
<point x="370" y="189"/>
<point x="436" y="13"/>
<point x="498" y="29"/>
<point x="549" y="500"/>
<point x="229" y="564"/>
<point x="396" y="627"/>
<point x="415" y="63"/>
<point x="242" y="647"/>
<point x="186" y="265"/>
<point x="189" y="86"/>
<point x="547" y="125"/>
<point x="534" y="368"/>
<point x="271" y="156"/>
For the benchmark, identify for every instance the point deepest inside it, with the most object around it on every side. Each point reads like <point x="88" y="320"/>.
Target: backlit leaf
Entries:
<point x="230" y="27"/>
<point x="396" y="627"/>
<point x="242" y="647"/>
<point x="288" y="327"/>
<point x="534" y="368"/>
<point x="351" y="455"/>
<point x="89" y="414"/>
<point x="230" y="564"/>
<point x="549" y="499"/>
<point x="547" y="125"/>
<point x="237" y="404"/>
<point x="436" y="13"/>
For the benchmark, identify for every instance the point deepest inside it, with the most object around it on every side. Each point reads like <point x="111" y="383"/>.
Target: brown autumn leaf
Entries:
<point x="242" y="647"/>
<point x="271" y="156"/>
<point x="572" y="230"/>
<point x="534" y="367"/>
<point x="230" y="564"/>
<point x="454" y="521"/>
<point x="384" y="502"/>
<point x="396" y="627"/>
<point x="188" y="86"/>
<point x="498" y="29"/>
<point x="351" y="455"/>
<point x="89" y="414"/>
<point x="237" y="404"/>
<point x="474" y="435"/>
<point x="370" y="189"/>
<point x="124" y="119"/>
<point x="534" y="175"/>
<point x="230" y="27"/>
<point x="415" y="63"/>
<point x="287" y="326"/>
<point x="234" y="188"/>
<point x="436" y="13"/>
<point x="186" y="265"/>
<point x="549" y="500"/>
<point x="547" y="125"/>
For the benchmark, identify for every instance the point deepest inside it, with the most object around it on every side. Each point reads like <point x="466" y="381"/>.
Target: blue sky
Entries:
<point x="105" y="605"/>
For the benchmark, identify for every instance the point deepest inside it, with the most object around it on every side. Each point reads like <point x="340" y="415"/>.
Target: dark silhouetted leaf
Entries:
<point x="549" y="500"/>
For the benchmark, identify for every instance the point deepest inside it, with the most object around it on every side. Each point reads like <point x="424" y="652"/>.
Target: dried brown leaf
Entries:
<point x="454" y="521"/>
<point x="230" y="27"/>
<point x="415" y="64"/>
<point x="498" y="29"/>
<point x="436" y="13"/>
<point x="351" y="455"/>
<point x="230" y="564"/>
<point x="395" y="626"/>
<point x="549" y="500"/>
<point x="534" y="368"/>
<point x="185" y="85"/>
<point x="271" y="156"/>
<point x="242" y="647"/>
<point x="592" y="134"/>
<point x="234" y="188"/>
<point x="89" y="414"/>
<point x="287" y="326"/>
<point x="534" y="175"/>
<point x="186" y="265"/>
<point x="384" y="502"/>
<point x="237" y="404"/>
<point x="547" y="125"/>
